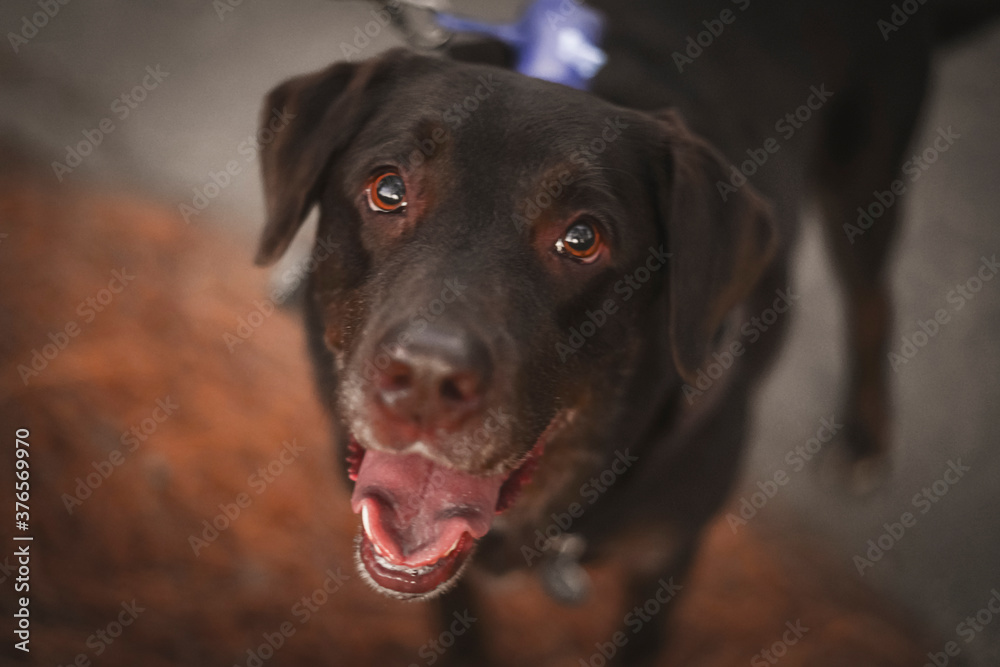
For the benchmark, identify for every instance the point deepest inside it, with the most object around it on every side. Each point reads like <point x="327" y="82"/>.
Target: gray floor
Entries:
<point x="66" y="79"/>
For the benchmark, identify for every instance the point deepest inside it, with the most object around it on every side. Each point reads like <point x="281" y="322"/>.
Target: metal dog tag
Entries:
<point x="562" y="576"/>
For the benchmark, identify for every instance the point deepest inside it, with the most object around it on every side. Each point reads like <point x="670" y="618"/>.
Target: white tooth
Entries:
<point x="366" y="522"/>
<point x="453" y="546"/>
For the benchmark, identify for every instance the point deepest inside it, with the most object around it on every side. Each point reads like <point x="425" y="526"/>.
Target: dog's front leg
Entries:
<point x="462" y="633"/>
<point x="652" y="599"/>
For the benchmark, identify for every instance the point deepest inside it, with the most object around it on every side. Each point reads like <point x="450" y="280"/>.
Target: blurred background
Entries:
<point x="207" y="66"/>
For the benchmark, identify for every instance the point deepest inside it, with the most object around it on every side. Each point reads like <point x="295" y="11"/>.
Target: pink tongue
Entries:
<point x="431" y="506"/>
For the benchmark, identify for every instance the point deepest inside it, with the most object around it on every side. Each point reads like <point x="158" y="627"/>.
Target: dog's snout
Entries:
<point x="435" y="379"/>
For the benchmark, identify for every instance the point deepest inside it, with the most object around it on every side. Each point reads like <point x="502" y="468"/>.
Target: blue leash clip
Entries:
<point x="555" y="40"/>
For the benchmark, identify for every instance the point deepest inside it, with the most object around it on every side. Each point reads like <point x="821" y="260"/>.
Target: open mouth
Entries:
<point x="420" y="520"/>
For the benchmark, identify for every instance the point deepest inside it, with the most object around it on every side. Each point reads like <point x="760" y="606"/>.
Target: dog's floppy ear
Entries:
<point x="309" y="120"/>
<point x="719" y="247"/>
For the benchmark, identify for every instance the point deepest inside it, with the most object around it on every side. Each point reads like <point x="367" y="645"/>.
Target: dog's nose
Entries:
<point x="433" y="380"/>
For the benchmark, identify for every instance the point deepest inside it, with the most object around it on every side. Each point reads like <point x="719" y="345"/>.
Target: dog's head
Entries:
<point x="497" y="255"/>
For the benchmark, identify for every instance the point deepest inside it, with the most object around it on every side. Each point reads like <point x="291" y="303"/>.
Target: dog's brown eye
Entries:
<point x="386" y="192"/>
<point x="581" y="240"/>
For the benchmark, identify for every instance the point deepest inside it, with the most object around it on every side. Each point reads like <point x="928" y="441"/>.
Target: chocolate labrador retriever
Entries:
<point x="540" y="312"/>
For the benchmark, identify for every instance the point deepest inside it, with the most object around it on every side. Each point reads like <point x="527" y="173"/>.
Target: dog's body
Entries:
<point x="598" y="359"/>
<point x="145" y="536"/>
